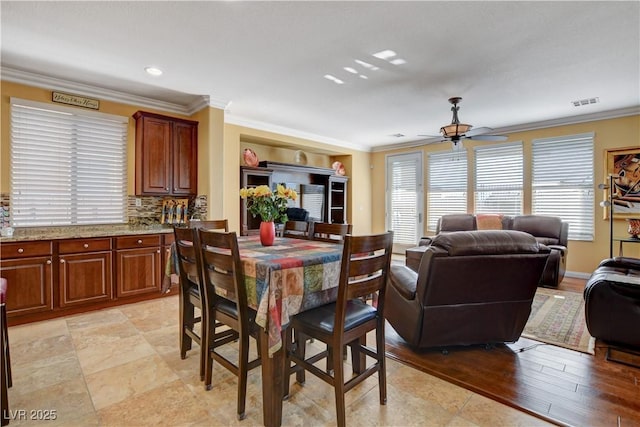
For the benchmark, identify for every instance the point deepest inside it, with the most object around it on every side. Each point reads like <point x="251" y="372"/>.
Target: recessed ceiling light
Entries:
<point x="385" y="54"/>
<point x="333" y="79"/>
<point x="362" y="76"/>
<point x="364" y="64"/>
<point x="351" y="70"/>
<point x="398" y="61"/>
<point x="153" y="71"/>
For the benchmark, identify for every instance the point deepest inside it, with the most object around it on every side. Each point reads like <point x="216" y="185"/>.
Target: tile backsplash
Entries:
<point x="147" y="214"/>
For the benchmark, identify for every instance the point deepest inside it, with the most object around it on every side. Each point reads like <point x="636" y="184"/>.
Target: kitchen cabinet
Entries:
<point x="84" y="273"/>
<point x="27" y="266"/>
<point x="166" y="155"/>
<point x="139" y="265"/>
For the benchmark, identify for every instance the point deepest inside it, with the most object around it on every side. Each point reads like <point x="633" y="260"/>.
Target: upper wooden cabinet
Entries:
<point x="166" y="155"/>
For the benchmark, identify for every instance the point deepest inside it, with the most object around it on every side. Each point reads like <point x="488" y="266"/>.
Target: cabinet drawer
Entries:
<point x="25" y="249"/>
<point x="84" y="245"/>
<point x="140" y="241"/>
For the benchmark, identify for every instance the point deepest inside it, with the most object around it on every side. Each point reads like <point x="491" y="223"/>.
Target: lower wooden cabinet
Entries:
<point x="28" y="269"/>
<point x="84" y="271"/>
<point x="52" y="278"/>
<point x="138" y="265"/>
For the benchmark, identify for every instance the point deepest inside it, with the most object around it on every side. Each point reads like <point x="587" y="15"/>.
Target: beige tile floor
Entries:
<point x="122" y="367"/>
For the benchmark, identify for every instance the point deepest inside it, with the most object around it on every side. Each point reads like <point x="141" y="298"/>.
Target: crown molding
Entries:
<point x="46" y="82"/>
<point x="268" y="127"/>
<point x="591" y="117"/>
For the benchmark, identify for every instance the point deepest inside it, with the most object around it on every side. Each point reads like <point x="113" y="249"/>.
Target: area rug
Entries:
<point x="557" y="317"/>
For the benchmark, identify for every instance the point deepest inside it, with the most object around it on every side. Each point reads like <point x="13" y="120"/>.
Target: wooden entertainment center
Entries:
<point x="320" y="190"/>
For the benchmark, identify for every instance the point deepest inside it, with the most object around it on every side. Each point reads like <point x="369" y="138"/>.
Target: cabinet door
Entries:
<point x="138" y="271"/>
<point x="185" y="158"/>
<point x="85" y="278"/>
<point x="30" y="285"/>
<point x="153" y="156"/>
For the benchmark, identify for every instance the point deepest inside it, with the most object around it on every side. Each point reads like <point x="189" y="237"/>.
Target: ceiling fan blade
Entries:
<point x="488" y="137"/>
<point x="478" y="131"/>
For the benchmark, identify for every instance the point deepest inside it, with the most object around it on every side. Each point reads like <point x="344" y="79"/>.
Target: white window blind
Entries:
<point x="404" y="197"/>
<point x="562" y="182"/>
<point x="447" y="191"/>
<point x="68" y="166"/>
<point x="499" y="179"/>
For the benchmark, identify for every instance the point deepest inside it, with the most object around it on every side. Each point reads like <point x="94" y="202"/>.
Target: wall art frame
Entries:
<point x="624" y="164"/>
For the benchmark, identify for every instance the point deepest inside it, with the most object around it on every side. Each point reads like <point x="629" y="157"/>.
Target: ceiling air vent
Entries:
<point x="585" y="101"/>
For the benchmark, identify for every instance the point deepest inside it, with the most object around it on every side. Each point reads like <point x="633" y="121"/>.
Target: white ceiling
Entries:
<point x="513" y="63"/>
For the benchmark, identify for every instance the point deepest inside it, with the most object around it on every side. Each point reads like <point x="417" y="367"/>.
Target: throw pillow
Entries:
<point x="489" y="221"/>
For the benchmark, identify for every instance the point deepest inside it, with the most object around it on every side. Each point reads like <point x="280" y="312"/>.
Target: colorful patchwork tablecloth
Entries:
<point x="287" y="278"/>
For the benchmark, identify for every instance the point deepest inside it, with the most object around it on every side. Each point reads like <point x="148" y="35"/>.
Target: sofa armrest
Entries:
<point x="560" y="248"/>
<point x="404" y="280"/>
<point x="425" y="241"/>
<point x="621" y="262"/>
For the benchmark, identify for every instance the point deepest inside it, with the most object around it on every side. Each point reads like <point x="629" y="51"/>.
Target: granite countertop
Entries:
<point x="71" y="232"/>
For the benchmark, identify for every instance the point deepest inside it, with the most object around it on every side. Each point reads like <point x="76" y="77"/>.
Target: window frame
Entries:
<point x="570" y="159"/>
<point x="68" y="165"/>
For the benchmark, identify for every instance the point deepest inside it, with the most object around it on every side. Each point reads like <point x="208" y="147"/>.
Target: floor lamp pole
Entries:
<point x="610" y="216"/>
<point x="608" y="203"/>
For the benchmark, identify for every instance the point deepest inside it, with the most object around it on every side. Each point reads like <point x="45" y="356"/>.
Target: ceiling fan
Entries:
<point x="456" y="131"/>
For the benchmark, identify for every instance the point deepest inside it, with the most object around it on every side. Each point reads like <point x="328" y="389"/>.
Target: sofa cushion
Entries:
<point x="456" y="222"/>
<point x="539" y="226"/>
<point x="489" y="221"/>
<point x="486" y="242"/>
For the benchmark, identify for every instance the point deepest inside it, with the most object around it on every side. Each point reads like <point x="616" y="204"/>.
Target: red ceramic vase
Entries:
<point x="267" y="233"/>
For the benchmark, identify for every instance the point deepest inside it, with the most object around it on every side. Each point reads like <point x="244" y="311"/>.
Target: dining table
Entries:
<point x="289" y="277"/>
<point x="282" y="280"/>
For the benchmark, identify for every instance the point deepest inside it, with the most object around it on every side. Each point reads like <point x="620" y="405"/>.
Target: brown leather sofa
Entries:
<point x="548" y="230"/>
<point x="472" y="287"/>
<point x="612" y="302"/>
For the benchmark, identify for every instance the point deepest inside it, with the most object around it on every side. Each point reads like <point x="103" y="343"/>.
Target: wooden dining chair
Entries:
<point x="211" y="224"/>
<point x="296" y="229"/>
<point x="226" y="296"/>
<point x="364" y="269"/>
<point x="190" y="292"/>
<point x="329" y="232"/>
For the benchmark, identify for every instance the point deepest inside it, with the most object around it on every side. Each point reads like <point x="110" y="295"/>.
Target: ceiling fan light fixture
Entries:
<point x="454" y="130"/>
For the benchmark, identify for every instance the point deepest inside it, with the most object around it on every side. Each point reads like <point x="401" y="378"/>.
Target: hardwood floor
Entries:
<point x="559" y="385"/>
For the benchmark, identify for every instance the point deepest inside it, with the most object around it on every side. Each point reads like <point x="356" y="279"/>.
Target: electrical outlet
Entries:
<point x="138" y="202"/>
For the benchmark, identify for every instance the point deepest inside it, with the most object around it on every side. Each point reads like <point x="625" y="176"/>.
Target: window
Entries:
<point x="68" y="166"/>
<point x="447" y="192"/>
<point x="562" y="182"/>
<point x="404" y="197"/>
<point x="499" y="179"/>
